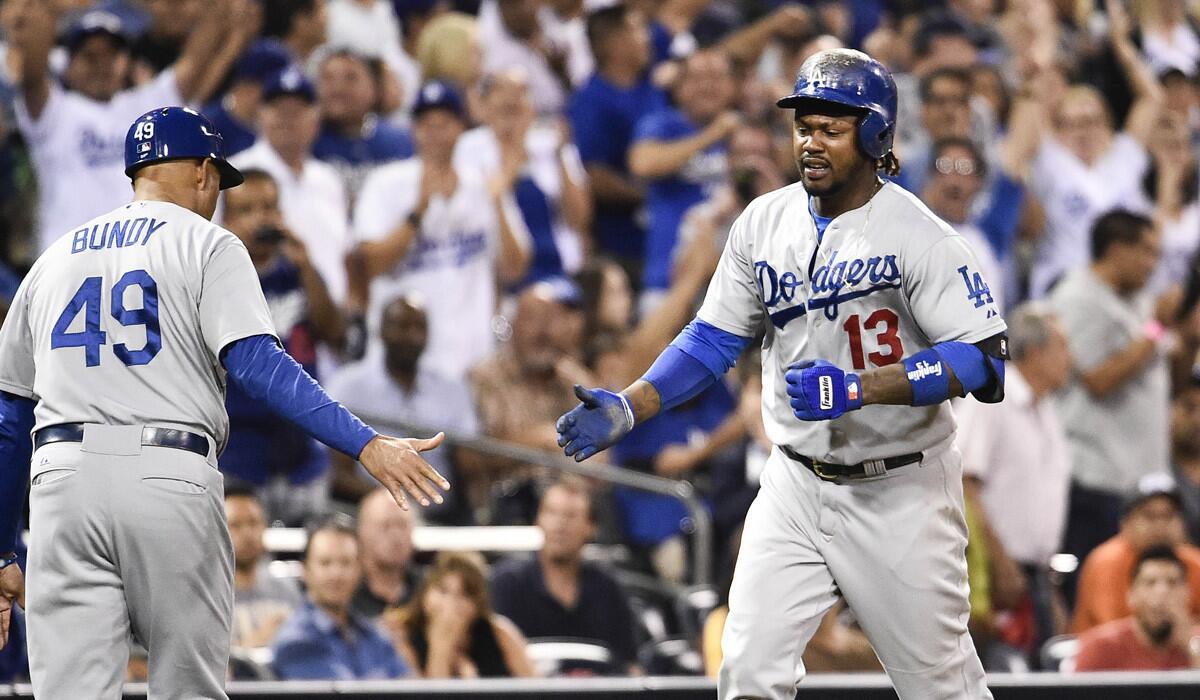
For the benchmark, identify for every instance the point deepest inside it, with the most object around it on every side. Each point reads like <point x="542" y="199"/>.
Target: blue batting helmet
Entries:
<point x="852" y="79"/>
<point x="175" y="133"/>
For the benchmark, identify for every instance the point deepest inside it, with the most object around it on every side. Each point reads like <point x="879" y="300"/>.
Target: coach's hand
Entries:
<point x="821" y="391"/>
<point x="397" y="464"/>
<point x="12" y="590"/>
<point x="603" y="418"/>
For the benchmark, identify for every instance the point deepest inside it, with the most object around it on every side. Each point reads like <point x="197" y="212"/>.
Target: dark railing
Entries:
<point x="682" y="491"/>
<point x="1158" y="685"/>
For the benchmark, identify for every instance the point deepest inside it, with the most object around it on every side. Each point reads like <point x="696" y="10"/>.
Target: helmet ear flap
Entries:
<point x="875" y="135"/>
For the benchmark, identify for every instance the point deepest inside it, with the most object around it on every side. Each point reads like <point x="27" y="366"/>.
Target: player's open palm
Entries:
<point x="602" y="418"/>
<point x="12" y="590"/>
<point x="397" y="464"/>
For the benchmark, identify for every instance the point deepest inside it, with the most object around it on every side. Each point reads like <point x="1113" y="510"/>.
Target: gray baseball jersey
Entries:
<point x="887" y="280"/>
<point x="122" y="321"/>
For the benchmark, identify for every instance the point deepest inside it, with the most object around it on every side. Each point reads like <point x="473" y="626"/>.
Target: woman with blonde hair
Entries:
<point x="448" y="629"/>
<point x="449" y="49"/>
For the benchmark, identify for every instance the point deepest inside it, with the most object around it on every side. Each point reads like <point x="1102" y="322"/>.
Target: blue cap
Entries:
<point x="438" y="94"/>
<point x="262" y="60"/>
<point x="176" y="133"/>
<point x="851" y="79"/>
<point x="289" y="81"/>
<point x="95" y="23"/>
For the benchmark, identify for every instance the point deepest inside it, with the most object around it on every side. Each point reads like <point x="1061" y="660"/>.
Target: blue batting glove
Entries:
<point x="820" y="391"/>
<point x="600" y="421"/>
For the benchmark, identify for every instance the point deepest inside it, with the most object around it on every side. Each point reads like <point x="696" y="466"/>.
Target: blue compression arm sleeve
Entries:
<point x="697" y="358"/>
<point x="259" y="367"/>
<point x="16" y="448"/>
<point x="975" y="370"/>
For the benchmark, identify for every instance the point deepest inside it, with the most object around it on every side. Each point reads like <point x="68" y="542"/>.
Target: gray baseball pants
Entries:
<point x="127" y="540"/>
<point x="893" y="545"/>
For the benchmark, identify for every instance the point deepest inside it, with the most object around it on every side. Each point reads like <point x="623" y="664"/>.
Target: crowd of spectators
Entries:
<point x="458" y="209"/>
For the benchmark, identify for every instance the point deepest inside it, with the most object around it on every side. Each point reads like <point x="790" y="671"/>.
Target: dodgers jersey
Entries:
<point x="122" y="321"/>
<point x="888" y="280"/>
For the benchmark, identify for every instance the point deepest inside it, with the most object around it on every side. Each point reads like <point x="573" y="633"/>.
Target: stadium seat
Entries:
<point x="569" y="656"/>
<point x="1058" y="653"/>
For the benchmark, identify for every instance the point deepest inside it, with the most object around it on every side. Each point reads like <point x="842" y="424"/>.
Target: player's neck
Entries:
<point x="1110" y="274"/>
<point x="621" y="75"/>
<point x="244" y="577"/>
<point x="146" y="190"/>
<point x="566" y="567"/>
<point x="853" y="195"/>
<point x="384" y="578"/>
<point x="405" y="374"/>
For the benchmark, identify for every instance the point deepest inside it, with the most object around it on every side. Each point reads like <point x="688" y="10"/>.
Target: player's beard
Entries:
<point x="826" y="187"/>
<point x="1159" y="633"/>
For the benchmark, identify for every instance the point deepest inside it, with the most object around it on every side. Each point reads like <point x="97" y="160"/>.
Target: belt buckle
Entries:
<point x="818" y="468"/>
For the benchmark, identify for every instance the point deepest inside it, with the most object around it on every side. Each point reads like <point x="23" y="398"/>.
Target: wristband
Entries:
<point x="1154" y="330"/>
<point x="7" y="558"/>
<point x="628" y="410"/>
<point x="928" y="377"/>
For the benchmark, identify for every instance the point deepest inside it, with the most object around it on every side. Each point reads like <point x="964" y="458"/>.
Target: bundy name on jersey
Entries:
<point x="833" y="283"/>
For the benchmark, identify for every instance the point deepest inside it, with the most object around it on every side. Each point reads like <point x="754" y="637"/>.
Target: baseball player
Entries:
<point x="874" y="314"/>
<point x="114" y="357"/>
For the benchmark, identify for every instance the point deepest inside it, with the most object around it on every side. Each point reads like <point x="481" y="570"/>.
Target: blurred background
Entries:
<point x="460" y="209"/>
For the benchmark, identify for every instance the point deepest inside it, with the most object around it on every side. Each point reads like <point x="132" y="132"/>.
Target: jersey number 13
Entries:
<point x="886" y="325"/>
<point x="87" y="301"/>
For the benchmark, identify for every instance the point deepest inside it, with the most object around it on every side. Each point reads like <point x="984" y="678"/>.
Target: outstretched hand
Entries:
<point x="600" y="420"/>
<point x="397" y="464"/>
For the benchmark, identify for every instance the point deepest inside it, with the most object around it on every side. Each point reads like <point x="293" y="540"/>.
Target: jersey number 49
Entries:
<point x="87" y="301"/>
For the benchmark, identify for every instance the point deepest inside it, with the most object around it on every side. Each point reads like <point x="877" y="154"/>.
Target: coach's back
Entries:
<point x="127" y="315"/>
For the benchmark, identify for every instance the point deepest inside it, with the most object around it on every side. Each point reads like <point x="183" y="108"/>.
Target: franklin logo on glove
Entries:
<point x="826" y="384"/>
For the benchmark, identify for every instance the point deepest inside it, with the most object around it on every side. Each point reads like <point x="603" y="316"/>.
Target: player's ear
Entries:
<point x="208" y="170"/>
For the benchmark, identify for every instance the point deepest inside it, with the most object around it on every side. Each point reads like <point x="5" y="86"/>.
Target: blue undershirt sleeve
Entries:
<point x="697" y="358"/>
<point x="16" y="449"/>
<point x="267" y="374"/>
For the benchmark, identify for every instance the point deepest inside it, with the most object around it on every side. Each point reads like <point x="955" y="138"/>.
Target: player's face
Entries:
<point x="536" y="332"/>
<point x="290" y="124"/>
<point x="404" y="332"/>
<point x="98" y="68"/>
<point x="1154" y="522"/>
<point x="826" y="151"/>
<point x="332" y="571"/>
<point x="435" y="133"/>
<point x="631" y="45"/>
<point x="1083" y="125"/>
<point x="707" y="87"/>
<point x="385" y="532"/>
<point x="956" y="179"/>
<point x="946" y="110"/>
<point x="448" y="595"/>
<point x="346" y="90"/>
<point x="250" y="208"/>
<point x="246" y="527"/>
<point x="1139" y="260"/>
<point x="1157" y="595"/>
<point x="508" y="109"/>
<point x="565" y="520"/>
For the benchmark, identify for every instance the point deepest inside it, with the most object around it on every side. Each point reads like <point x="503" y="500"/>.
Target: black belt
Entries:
<point x="151" y="437"/>
<point x="833" y="472"/>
